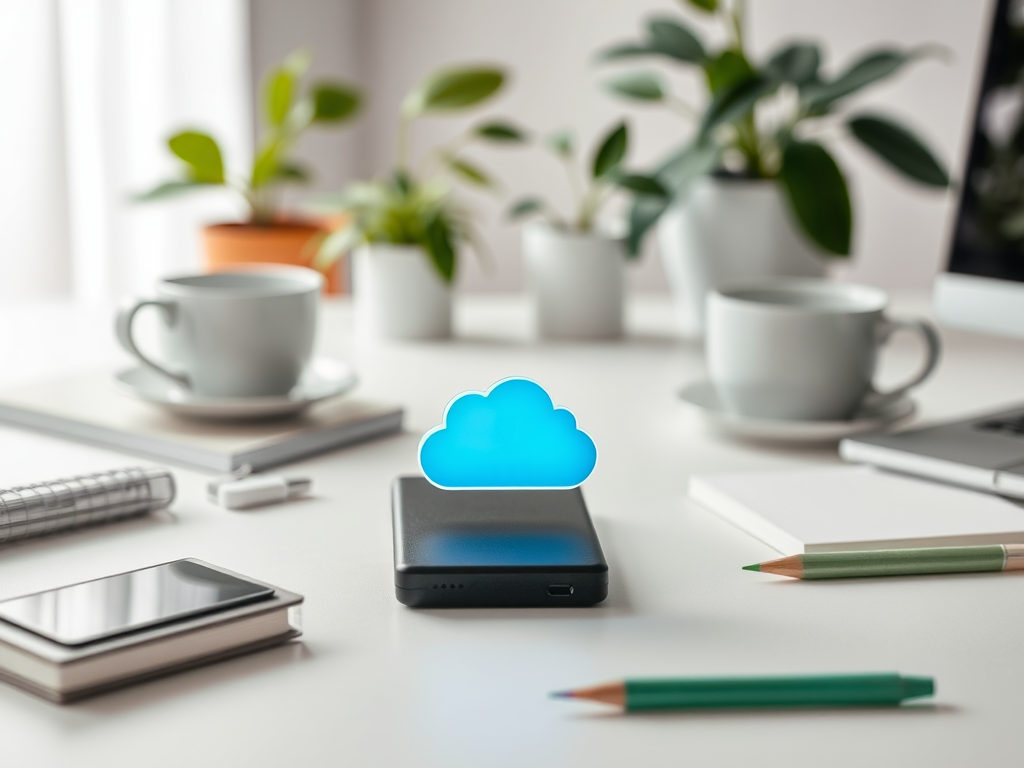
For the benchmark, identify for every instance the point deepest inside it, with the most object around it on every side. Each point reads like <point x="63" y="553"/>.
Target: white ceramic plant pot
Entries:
<point x="726" y="230"/>
<point x="398" y="294"/>
<point x="576" y="282"/>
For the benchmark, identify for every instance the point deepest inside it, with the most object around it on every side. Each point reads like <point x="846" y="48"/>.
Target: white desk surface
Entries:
<point x="373" y="683"/>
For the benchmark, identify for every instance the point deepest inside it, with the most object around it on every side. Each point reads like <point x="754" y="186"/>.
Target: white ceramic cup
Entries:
<point x="244" y="333"/>
<point x="804" y="349"/>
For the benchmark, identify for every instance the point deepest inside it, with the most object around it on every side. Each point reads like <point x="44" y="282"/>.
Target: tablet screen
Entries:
<point x="103" y="608"/>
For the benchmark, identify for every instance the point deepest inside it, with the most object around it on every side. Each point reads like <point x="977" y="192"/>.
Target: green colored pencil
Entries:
<point x="883" y="689"/>
<point x="896" y="562"/>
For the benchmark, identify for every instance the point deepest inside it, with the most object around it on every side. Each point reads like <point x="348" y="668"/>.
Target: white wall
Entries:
<point x="900" y="230"/>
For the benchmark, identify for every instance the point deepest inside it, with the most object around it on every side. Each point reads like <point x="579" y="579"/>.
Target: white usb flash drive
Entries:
<point x="243" y="490"/>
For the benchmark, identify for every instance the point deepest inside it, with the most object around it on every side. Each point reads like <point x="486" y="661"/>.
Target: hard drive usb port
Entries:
<point x="559" y="590"/>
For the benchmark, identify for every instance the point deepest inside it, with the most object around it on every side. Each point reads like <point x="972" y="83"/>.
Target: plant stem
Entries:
<point x="590" y="206"/>
<point x="402" y="148"/>
<point x="448" y="151"/>
<point x="575" y="187"/>
<point x="736" y="17"/>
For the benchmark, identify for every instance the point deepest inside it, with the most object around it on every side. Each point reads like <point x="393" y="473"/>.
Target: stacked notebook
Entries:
<point x="90" y="409"/>
<point x="64" y="673"/>
<point x="856" y="508"/>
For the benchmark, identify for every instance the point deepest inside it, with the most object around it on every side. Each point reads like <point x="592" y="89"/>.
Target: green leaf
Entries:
<point x="736" y="101"/>
<point x="611" y="151"/>
<point x="440" y="247"/>
<point x="201" y="154"/>
<point x="334" y="102"/>
<point x="336" y="245"/>
<point x="705" y="5"/>
<point x="727" y="69"/>
<point x="642" y="185"/>
<point x="289" y="171"/>
<point x="401" y="182"/>
<point x="644" y="212"/>
<point x="453" y="89"/>
<point x="625" y="51"/>
<point x="265" y="166"/>
<point x="525" y="207"/>
<point x="278" y="95"/>
<point x="561" y="143"/>
<point x="641" y="86"/>
<point x="679" y="170"/>
<point x="869" y="69"/>
<point x="168" y="189"/>
<point x="501" y="132"/>
<point x="675" y="174"/>
<point x="796" y="63"/>
<point x="899" y="148"/>
<point x="817" y="194"/>
<point x="670" y="38"/>
<point x="470" y="172"/>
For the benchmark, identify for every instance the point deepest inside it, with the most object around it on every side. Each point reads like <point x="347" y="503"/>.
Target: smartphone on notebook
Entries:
<point x="494" y="548"/>
<point x="96" y="610"/>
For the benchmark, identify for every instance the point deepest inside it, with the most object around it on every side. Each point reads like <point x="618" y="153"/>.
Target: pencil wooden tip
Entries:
<point x="754" y="567"/>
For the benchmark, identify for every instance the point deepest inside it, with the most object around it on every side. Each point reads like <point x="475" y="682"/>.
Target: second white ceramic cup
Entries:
<point x="244" y="333"/>
<point x="804" y="349"/>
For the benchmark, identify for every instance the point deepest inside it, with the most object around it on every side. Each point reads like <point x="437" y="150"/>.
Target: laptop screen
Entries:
<point x="989" y="235"/>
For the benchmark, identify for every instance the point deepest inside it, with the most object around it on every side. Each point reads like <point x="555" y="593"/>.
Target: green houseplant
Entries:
<point x="767" y="125"/>
<point x="288" y="111"/>
<point x="407" y="227"/>
<point x="575" y="270"/>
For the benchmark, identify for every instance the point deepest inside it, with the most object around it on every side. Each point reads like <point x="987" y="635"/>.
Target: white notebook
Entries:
<point x="88" y="408"/>
<point x="851" y="508"/>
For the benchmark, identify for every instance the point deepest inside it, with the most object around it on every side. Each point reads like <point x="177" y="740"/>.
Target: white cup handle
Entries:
<point x="933" y="350"/>
<point x="123" y="326"/>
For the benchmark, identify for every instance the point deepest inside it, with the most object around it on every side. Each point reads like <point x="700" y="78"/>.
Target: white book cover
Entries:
<point x="856" y="508"/>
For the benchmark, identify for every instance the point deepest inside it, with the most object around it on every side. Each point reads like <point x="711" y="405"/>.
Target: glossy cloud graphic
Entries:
<point x="511" y="436"/>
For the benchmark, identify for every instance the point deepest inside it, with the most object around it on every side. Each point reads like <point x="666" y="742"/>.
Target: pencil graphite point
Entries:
<point x="754" y="567"/>
<point x="561" y="695"/>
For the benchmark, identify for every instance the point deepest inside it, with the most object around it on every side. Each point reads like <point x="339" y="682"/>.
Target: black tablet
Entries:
<point x="494" y="548"/>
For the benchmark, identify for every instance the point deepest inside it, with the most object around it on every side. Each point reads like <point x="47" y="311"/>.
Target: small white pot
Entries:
<point x="576" y="281"/>
<point x="398" y="294"/>
<point x="727" y="230"/>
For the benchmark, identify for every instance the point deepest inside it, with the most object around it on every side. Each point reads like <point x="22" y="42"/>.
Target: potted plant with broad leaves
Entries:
<point x="576" y="269"/>
<point x="406" y="229"/>
<point x="269" y="234"/>
<point x="755" y="191"/>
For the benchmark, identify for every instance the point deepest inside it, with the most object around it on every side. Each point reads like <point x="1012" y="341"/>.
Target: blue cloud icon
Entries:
<point x="511" y="436"/>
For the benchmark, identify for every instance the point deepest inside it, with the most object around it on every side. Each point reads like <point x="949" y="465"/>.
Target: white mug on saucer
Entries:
<point x="804" y="349"/>
<point x="244" y="333"/>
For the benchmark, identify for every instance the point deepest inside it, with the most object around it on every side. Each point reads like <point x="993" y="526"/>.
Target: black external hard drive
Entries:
<point x="494" y="548"/>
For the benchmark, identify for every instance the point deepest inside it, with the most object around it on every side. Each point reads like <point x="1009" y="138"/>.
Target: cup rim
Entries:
<point x="858" y="298"/>
<point x="302" y="280"/>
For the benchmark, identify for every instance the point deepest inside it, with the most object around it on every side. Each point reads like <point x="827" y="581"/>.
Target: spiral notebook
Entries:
<point x="856" y="508"/>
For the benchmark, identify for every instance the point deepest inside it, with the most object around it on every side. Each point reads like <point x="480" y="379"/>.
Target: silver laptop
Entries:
<point x="983" y="287"/>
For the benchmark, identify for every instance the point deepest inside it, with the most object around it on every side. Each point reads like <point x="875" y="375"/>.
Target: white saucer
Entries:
<point x="702" y="396"/>
<point x="324" y="379"/>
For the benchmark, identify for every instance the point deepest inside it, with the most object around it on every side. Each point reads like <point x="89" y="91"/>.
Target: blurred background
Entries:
<point x="94" y="87"/>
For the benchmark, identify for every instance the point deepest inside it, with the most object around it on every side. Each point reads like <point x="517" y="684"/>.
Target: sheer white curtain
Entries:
<point x="91" y="90"/>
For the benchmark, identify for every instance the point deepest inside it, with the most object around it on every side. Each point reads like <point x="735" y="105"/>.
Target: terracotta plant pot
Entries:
<point x="295" y="243"/>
